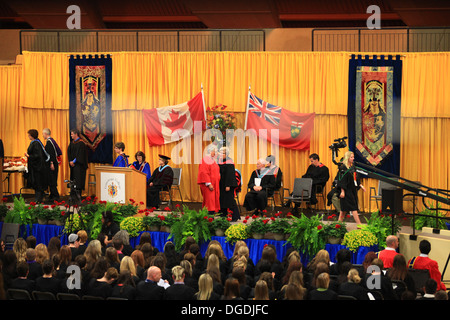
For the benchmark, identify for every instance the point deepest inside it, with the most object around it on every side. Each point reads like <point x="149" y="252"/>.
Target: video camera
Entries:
<point x="339" y="143"/>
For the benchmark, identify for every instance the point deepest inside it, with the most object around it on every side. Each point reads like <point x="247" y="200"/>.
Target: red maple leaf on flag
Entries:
<point x="176" y="121"/>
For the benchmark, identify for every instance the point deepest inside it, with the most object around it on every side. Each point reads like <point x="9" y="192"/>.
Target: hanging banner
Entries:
<point x="90" y="104"/>
<point x="374" y="102"/>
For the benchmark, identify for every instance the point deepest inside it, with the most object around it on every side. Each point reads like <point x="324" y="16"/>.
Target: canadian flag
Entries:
<point x="173" y="123"/>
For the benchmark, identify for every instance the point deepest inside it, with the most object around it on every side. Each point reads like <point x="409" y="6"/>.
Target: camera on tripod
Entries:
<point x="70" y="184"/>
<point x="338" y="143"/>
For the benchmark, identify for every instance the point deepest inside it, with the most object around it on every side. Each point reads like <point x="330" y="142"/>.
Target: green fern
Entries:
<point x="192" y="223"/>
<point x="307" y="234"/>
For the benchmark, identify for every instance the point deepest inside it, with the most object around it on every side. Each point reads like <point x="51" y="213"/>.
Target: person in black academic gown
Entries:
<point x="319" y="173"/>
<point x="78" y="161"/>
<point x="227" y="184"/>
<point x="256" y="198"/>
<point x="38" y="158"/>
<point x="54" y="151"/>
<point x="348" y="184"/>
<point x="161" y="179"/>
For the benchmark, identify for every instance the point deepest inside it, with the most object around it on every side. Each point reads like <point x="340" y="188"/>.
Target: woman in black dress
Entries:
<point x="349" y="183"/>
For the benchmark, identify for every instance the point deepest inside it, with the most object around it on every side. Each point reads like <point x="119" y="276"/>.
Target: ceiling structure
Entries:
<point x="224" y="14"/>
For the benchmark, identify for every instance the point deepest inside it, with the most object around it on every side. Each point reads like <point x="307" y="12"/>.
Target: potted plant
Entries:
<point x="427" y="218"/>
<point x="236" y="232"/>
<point x="219" y="225"/>
<point x="3" y="211"/>
<point x="57" y="215"/>
<point x="359" y="238"/>
<point x="258" y="227"/>
<point x="41" y="213"/>
<point x="335" y="231"/>
<point x="191" y="223"/>
<point x="133" y="225"/>
<point x="279" y="227"/>
<point x="20" y="213"/>
<point x="152" y="222"/>
<point x="307" y="234"/>
<point x="168" y="220"/>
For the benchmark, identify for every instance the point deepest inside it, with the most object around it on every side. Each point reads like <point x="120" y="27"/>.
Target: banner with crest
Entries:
<point x="374" y="102"/>
<point x="90" y="104"/>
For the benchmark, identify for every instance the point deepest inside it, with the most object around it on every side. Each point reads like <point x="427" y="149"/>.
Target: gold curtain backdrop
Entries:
<point x="36" y="95"/>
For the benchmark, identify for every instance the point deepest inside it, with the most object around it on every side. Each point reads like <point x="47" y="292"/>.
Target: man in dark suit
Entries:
<point x="149" y="288"/>
<point x="178" y="290"/>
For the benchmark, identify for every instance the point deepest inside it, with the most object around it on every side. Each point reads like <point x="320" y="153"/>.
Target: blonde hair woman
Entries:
<point x="41" y="253"/>
<point x="349" y="183"/>
<point x="92" y="253"/>
<point x="261" y="290"/>
<point x="20" y="247"/>
<point x="205" y="288"/>
<point x="127" y="263"/>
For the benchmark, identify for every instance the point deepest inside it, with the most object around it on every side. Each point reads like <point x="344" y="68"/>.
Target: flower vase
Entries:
<point x="41" y="221"/>
<point x="220" y="232"/>
<point x="257" y="236"/>
<point x="279" y="236"/>
<point x="154" y="228"/>
<point x="334" y="240"/>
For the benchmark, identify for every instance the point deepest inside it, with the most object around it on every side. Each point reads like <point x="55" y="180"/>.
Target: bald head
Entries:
<point x="154" y="274"/>
<point x="392" y="242"/>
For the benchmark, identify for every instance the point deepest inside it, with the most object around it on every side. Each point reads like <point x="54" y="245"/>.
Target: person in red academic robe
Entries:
<point x="388" y="254"/>
<point x="424" y="262"/>
<point x="209" y="181"/>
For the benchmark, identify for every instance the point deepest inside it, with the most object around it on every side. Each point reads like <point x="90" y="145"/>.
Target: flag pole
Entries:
<point x="203" y="99"/>
<point x="246" y="107"/>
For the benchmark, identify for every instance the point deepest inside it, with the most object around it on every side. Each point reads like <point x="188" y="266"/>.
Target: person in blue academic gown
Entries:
<point x="122" y="158"/>
<point x="141" y="165"/>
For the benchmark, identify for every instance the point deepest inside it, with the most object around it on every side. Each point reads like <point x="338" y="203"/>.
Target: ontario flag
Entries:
<point x="173" y="123"/>
<point x="294" y="129"/>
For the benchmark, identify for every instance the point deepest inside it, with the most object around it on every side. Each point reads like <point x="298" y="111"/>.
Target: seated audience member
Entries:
<point x="388" y="254"/>
<point x="22" y="282"/>
<point x="35" y="268"/>
<point x="377" y="278"/>
<point x="430" y="289"/>
<point x="424" y="262"/>
<point x="103" y="286"/>
<point x="125" y="286"/>
<point x="149" y="289"/>
<point x="47" y="282"/>
<point x="179" y="290"/>
<point x="74" y="244"/>
<point x="399" y="272"/>
<point x="205" y="288"/>
<point x="322" y="292"/>
<point x="353" y="287"/>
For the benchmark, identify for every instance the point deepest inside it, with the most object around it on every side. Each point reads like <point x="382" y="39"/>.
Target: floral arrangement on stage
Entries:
<point x="220" y="223"/>
<point x="258" y="226"/>
<point x="220" y="120"/>
<point x="307" y="234"/>
<point x="236" y="232"/>
<point x="359" y="238"/>
<point x="133" y="225"/>
<point x="191" y="223"/>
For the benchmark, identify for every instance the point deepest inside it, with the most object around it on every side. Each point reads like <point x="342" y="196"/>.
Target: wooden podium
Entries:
<point x="117" y="184"/>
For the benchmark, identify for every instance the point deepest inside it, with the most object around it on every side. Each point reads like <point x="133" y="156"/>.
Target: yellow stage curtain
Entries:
<point x="35" y="95"/>
<point x="299" y="81"/>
